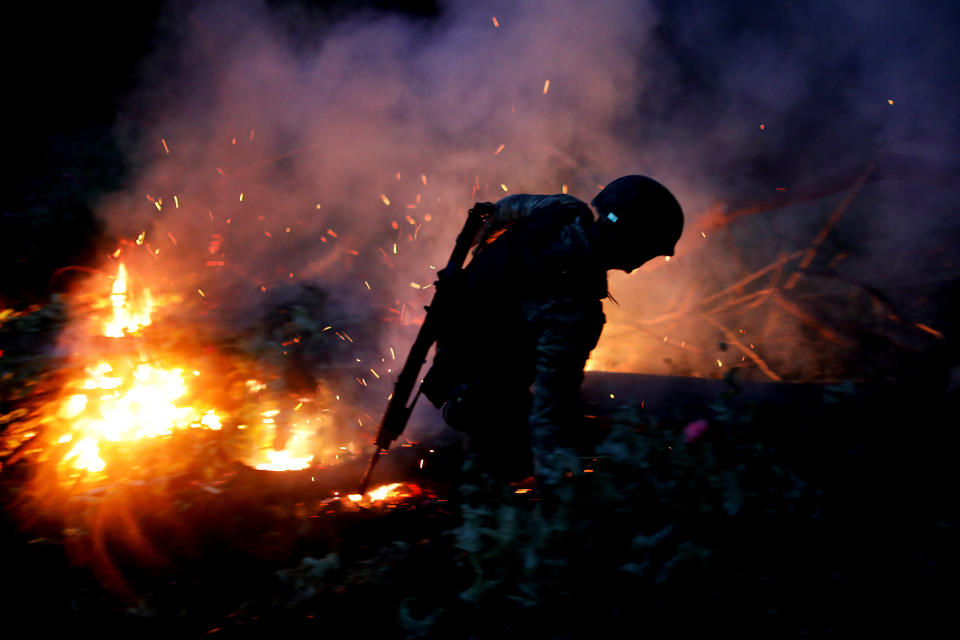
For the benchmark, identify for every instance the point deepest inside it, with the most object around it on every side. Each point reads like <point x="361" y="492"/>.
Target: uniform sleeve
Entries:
<point x="566" y="330"/>
<point x="515" y="207"/>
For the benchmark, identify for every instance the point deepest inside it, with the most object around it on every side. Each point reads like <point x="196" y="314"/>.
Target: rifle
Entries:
<point x="398" y="410"/>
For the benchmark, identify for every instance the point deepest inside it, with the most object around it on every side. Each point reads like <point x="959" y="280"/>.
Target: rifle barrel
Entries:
<point x="398" y="411"/>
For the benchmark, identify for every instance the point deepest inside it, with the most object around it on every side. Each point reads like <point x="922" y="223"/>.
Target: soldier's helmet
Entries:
<point x="641" y="218"/>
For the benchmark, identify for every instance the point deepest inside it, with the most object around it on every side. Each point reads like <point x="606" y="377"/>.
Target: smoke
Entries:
<point x="276" y="148"/>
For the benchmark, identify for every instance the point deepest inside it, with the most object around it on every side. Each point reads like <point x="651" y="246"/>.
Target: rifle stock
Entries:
<point x="400" y="406"/>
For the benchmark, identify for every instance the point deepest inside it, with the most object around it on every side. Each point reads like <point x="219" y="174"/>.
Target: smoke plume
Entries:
<point x="276" y="149"/>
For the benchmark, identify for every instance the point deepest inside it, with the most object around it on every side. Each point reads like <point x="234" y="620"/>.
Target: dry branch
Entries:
<point x="732" y="338"/>
<point x="808" y="319"/>
<point x="737" y="285"/>
<point x="831" y="222"/>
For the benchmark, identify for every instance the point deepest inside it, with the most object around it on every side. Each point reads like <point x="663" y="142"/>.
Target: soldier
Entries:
<point x="527" y="312"/>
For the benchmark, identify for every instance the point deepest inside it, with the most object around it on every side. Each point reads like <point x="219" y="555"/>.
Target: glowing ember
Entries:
<point x="283" y="461"/>
<point x="386" y="492"/>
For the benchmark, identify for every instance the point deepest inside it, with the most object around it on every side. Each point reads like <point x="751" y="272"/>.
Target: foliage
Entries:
<point x="736" y="518"/>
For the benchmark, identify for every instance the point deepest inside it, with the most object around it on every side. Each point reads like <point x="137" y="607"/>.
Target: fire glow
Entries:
<point x="126" y="399"/>
<point x="129" y="395"/>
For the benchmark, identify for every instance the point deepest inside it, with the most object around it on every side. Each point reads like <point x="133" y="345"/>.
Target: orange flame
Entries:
<point x="126" y="319"/>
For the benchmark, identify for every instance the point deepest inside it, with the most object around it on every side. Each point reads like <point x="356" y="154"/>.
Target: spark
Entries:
<point x="385" y="199"/>
<point x="495" y="22"/>
<point x="719" y="364"/>
<point x="375" y="374"/>
<point x="563" y="188"/>
<point x="202" y="295"/>
<point x="398" y="175"/>
<point x="167" y="149"/>
<point x="890" y="102"/>
<point x="333" y="233"/>
<point x="762" y="127"/>
<point x="318" y="206"/>
<point x="504" y="187"/>
<point x="546" y="87"/>
<point x="423" y="178"/>
<point x="499" y="149"/>
<point x="172" y="239"/>
<point x="251" y="134"/>
<point x="141" y="237"/>
<point x="415" y="285"/>
<point x="929" y="330"/>
<point x="368" y="285"/>
<point x="241" y="196"/>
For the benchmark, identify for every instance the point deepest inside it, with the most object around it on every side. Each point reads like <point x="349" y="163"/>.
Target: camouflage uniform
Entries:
<point x="528" y="312"/>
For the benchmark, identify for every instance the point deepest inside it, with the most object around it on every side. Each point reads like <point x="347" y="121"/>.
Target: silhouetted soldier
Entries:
<point x="527" y="312"/>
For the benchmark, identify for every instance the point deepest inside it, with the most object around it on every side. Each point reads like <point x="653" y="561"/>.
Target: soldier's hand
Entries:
<point x="484" y="209"/>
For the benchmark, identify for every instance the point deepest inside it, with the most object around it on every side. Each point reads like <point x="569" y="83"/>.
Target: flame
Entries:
<point x="86" y="456"/>
<point x="386" y="492"/>
<point x="284" y="461"/>
<point x="381" y="493"/>
<point x="125" y="398"/>
<point x="296" y="455"/>
<point x="126" y="319"/>
<point x="125" y="406"/>
<point x="133" y="392"/>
